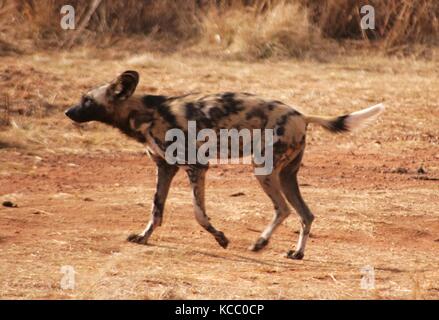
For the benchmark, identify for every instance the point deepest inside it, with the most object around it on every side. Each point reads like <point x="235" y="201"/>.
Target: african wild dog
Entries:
<point x="147" y="118"/>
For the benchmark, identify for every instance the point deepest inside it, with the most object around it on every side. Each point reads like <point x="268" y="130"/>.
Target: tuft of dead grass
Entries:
<point x="5" y="118"/>
<point x="281" y="32"/>
<point x="397" y="22"/>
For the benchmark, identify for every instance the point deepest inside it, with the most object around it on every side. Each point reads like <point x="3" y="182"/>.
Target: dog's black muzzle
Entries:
<point x="77" y="114"/>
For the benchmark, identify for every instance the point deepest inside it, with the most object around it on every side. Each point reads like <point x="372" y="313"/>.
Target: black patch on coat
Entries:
<point x="165" y="112"/>
<point x="283" y="119"/>
<point x="191" y="111"/>
<point x="216" y="113"/>
<point x="280" y="131"/>
<point x="257" y="113"/>
<point x="280" y="147"/>
<point x="230" y="104"/>
<point x="194" y="113"/>
<point x="228" y="95"/>
<point x="151" y="101"/>
<point x="271" y="106"/>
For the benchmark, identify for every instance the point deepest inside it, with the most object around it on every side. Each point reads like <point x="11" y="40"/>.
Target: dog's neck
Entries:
<point x="131" y="115"/>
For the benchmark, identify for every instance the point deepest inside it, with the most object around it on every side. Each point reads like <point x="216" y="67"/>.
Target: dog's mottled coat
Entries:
<point x="147" y="118"/>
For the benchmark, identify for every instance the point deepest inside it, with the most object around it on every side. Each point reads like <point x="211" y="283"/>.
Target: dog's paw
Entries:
<point x="137" y="238"/>
<point x="295" y="255"/>
<point x="222" y="240"/>
<point x="259" y="245"/>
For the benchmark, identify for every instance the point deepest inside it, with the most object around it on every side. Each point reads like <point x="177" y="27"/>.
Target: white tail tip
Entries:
<point x="360" y="119"/>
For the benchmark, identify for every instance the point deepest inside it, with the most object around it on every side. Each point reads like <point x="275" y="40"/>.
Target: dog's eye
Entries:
<point x="88" y="102"/>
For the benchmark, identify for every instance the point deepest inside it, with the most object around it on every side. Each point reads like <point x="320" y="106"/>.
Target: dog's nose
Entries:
<point x="69" y="113"/>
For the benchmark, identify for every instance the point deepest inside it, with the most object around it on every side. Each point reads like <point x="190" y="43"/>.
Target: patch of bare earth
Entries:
<point x="81" y="191"/>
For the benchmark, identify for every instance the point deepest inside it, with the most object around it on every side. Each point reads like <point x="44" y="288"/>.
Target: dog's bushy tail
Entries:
<point x="348" y="122"/>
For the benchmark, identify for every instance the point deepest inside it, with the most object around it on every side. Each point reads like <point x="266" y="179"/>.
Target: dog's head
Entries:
<point x="100" y="104"/>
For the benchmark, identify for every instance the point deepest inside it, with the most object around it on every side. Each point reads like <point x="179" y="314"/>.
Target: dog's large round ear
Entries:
<point x="123" y="86"/>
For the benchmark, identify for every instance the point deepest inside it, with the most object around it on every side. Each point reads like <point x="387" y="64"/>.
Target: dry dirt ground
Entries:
<point x="81" y="191"/>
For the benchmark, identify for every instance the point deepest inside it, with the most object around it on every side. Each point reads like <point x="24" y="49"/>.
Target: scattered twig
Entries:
<point x="238" y="194"/>
<point x="426" y="178"/>
<point x="42" y="211"/>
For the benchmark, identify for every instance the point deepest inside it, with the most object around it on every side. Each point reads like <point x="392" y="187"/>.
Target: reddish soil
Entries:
<point x="77" y="210"/>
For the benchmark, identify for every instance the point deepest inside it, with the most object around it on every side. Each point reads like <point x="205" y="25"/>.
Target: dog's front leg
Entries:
<point x="197" y="177"/>
<point x="165" y="174"/>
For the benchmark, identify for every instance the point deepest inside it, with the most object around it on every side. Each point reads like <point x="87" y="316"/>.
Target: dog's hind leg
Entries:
<point x="290" y="187"/>
<point x="165" y="174"/>
<point x="197" y="177"/>
<point x="271" y="185"/>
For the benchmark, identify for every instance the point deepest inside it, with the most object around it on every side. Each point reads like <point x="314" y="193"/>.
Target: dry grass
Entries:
<point x="282" y="32"/>
<point x="37" y="95"/>
<point x="5" y="117"/>
<point x="397" y="22"/>
<point x="259" y="29"/>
